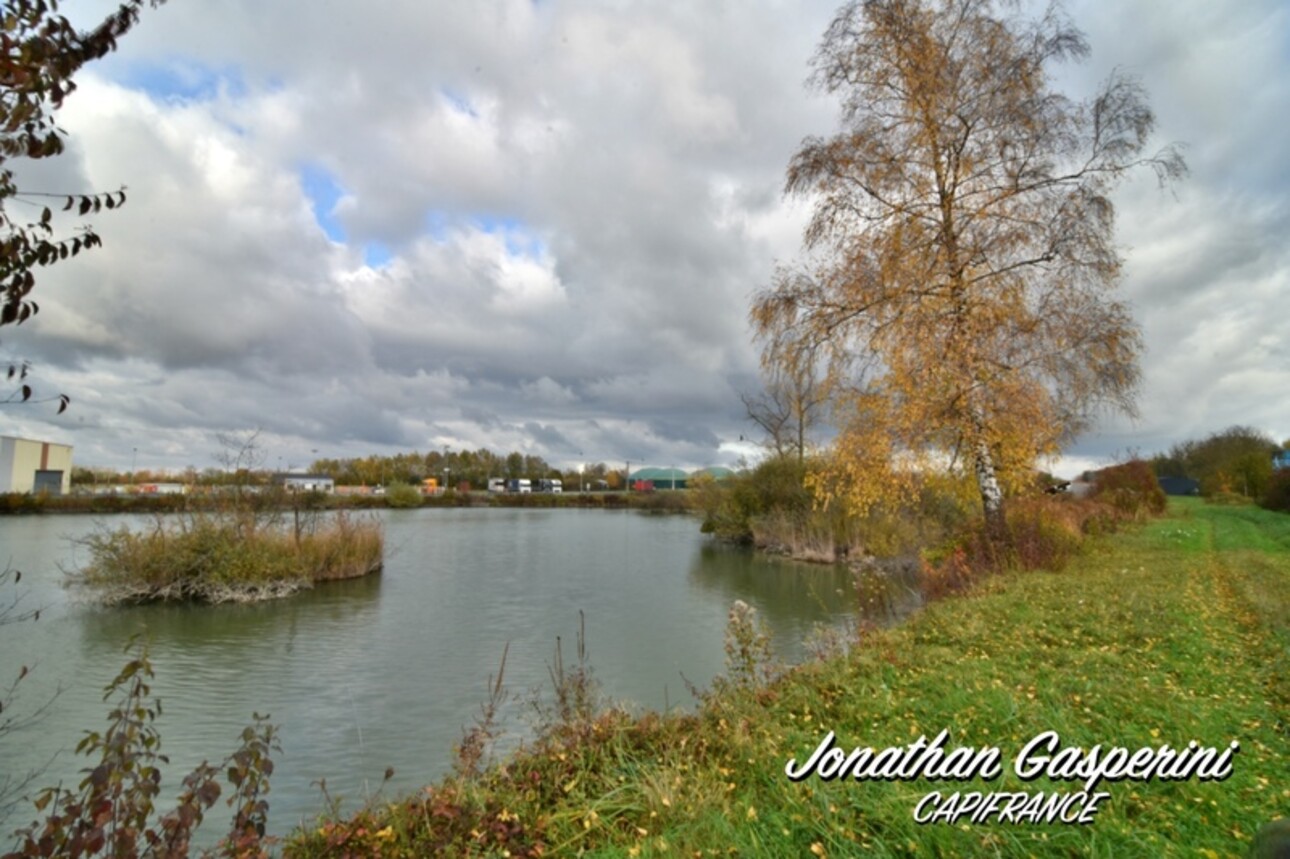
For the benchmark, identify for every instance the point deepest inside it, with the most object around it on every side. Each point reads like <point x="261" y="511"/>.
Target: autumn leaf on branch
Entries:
<point x="963" y="264"/>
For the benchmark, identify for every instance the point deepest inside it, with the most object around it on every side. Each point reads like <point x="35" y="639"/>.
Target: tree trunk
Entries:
<point x="991" y="495"/>
<point x="986" y="479"/>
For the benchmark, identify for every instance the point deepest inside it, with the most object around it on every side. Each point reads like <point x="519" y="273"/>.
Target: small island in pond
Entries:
<point x="227" y="557"/>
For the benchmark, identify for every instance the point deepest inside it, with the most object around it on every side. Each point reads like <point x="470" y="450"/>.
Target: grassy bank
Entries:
<point x="1174" y="632"/>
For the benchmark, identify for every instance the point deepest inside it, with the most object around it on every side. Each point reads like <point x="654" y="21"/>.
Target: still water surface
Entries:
<point x="386" y="671"/>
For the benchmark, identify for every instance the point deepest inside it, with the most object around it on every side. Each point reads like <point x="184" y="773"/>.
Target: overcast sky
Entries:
<point x="536" y="225"/>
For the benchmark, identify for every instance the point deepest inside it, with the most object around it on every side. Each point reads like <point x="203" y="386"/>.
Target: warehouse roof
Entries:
<point x="717" y="472"/>
<point x="657" y="474"/>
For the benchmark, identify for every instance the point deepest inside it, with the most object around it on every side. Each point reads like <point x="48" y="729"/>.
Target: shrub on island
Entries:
<point x="226" y="558"/>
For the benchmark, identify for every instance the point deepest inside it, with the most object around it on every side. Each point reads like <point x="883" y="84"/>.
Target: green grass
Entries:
<point x="1176" y="631"/>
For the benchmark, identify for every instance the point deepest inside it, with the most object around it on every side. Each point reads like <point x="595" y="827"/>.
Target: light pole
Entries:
<point x="134" y="466"/>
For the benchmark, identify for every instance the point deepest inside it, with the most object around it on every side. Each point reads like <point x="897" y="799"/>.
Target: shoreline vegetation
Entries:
<point x="242" y="556"/>
<point x="773" y="510"/>
<point x="1169" y="631"/>
<point x="1160" y="631"/>
<point x="30" y="504"/>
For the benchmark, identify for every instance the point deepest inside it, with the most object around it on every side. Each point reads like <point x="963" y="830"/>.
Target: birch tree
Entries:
<point x="962" y="265"/>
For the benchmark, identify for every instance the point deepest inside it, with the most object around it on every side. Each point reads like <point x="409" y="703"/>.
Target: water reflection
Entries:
<point x="221" y="630"/>
<point x="808" y="592"/>
<point x="789" y="594"/>
<point x="386" y="670"/>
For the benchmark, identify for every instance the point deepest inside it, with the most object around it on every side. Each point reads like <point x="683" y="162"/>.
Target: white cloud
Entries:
<point x="578" y="201"/>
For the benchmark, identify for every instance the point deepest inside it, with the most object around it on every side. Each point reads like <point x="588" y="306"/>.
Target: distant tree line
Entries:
<point x="1237" y="460"/>
<point x="454" y="467"/>
<point x="473" y="467"/>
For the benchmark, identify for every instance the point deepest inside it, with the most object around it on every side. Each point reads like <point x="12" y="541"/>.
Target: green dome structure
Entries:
<point x="661" y="478"/>
<point x="716" y="472"/>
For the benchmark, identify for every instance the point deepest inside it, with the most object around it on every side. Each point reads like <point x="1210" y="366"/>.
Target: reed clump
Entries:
<point x="218" y="558"/>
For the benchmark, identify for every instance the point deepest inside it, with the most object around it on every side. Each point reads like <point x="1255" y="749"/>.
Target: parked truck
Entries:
<point x="519" y="484"/>
<point x="550" y="485"/>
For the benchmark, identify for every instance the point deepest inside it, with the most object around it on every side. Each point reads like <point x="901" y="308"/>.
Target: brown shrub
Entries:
<point x="1043" y="532"/>
<point x="1131" y="488"/>
<point x="1277" y="495"/>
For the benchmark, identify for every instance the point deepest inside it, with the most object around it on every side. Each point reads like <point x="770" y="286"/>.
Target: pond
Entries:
<point x="386" y="671"/>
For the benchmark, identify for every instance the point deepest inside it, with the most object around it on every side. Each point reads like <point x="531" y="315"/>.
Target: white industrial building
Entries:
<point x="293" y="482"/>
<point x="35" y="466"/>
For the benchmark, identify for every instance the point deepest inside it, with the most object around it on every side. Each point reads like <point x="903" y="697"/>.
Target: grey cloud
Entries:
<point x="643" y="147"/>
<point x="484" y="418"/>
<point x="697" y="435"/>
<point x="548" y="437"/>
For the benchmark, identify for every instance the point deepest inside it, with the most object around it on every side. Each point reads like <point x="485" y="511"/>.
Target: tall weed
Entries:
<point x="747" y="643"/>
<point x="112" y="812"/>
<point x="576" y="694"/>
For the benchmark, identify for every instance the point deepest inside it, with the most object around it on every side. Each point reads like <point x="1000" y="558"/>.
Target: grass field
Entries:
<point x="1174" y="632"/>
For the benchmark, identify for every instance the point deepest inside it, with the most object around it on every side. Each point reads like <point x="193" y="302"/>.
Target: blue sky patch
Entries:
<point x="324" y="192"/>
<point x="376" y="254"/>
<point x="496" y="224"/>
<point x="181" y="79"/>
<point x="459" y="102"/>
<point x="518" y="238"/>
<point x="520" y="241"/>
<point x="438" y="225"/>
